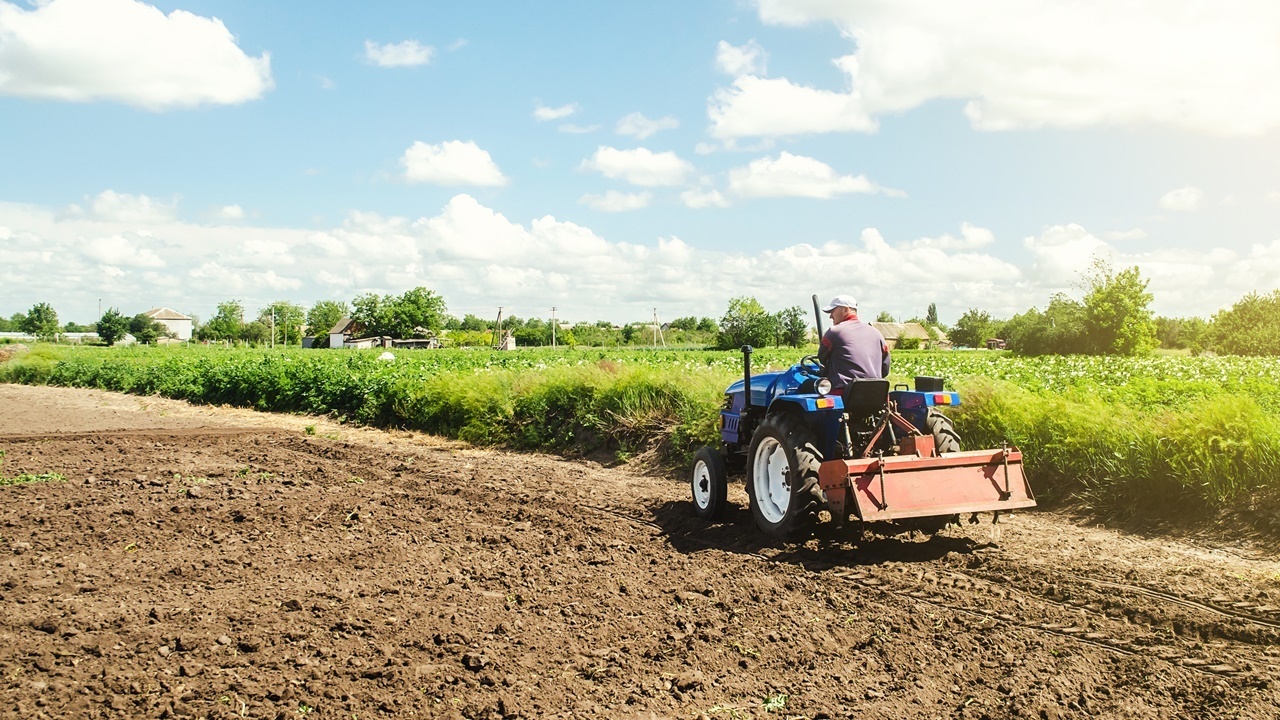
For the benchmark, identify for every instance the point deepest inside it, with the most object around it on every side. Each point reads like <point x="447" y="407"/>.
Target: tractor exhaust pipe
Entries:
<point x="817" y="316"/>
<point x="746" y="376"/>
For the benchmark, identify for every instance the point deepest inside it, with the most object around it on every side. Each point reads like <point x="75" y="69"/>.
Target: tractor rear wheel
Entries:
<point x="945" y="437"/>
<point x="782" y="477"/>
<point x="710" y="484"/>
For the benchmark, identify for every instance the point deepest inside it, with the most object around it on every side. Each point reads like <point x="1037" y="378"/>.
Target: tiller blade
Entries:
<point x="923" y="484"/>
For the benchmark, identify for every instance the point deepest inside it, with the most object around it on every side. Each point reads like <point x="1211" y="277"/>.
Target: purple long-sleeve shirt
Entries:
<point x="853" y="349"/>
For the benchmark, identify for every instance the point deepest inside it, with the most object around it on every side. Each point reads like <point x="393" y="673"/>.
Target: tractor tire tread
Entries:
<point x="717" y="499"/>
<point x="945" y="437"/>
<point x="807" y="497"/>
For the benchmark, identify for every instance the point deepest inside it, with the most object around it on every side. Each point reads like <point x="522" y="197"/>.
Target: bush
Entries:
<point x="1250" y="327"/>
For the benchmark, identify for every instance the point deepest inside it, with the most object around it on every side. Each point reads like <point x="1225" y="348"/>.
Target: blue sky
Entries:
<point x="610" y="158"/>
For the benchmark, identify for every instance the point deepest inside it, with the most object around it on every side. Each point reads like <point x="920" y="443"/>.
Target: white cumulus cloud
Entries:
<point x="699" y="198"/>
<point x="1192" y="64"/>
<point x="450" y="163"/>
<point x="739" y="60"/>
<point x="639" y="166"/>
<point x="757" y="106"/>
<point x="477" y="258"/>
<point x="1183" y="199"/>
<point x="407" y="53"/>
<point x="640" y="127"/>
<point x="118" y="250"/>
<point x="231" y="212"/>
<point x="971" y="238"/>
<point x="541" y="113"/>
<point x="125" y="51"/>
<point x="616" y="201"/>
<point x="136" y="209"/>
<point x="795" y="176"/>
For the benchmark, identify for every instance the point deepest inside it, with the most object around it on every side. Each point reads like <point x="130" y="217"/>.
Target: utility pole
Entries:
<point x="657" y="330"/>
<point x="495" y="339"/>
<point x="553" y="326"/>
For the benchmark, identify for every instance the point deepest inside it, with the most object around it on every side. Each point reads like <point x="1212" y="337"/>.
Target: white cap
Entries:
<point x="841" y="301"/>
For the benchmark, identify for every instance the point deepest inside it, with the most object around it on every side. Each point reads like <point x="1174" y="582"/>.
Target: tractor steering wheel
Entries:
<point x="811" y="365"/>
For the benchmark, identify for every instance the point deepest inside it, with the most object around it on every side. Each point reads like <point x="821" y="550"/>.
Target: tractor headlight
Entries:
<point x="823" y="386"/>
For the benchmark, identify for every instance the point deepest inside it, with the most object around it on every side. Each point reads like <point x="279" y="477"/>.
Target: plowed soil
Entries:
<point x="205" y="562"/>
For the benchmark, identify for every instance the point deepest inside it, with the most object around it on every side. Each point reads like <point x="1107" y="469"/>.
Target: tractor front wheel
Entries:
<point x="782" y="477"/>
<point x="710" y="484"/>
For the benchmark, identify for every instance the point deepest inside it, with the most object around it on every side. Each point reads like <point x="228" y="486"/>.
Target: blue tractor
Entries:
<point x="870" y="455"/>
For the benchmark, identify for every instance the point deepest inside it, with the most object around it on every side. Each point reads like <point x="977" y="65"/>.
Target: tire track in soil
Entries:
<point x="1064" y="630"/>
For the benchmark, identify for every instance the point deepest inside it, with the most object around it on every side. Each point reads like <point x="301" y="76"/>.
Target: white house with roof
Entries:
<point x="176" y="322"/>
<point x="339" y="333"/>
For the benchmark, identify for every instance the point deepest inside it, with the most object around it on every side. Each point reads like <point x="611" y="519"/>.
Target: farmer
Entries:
<point x="851" y="349"/>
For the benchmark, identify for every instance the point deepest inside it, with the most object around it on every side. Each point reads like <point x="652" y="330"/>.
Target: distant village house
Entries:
<point x="345" y="334"/>
<point x="928" y="340"/>
<point x="175" y="323"/>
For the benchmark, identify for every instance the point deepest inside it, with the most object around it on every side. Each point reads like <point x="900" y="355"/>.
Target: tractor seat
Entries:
<point x="866" y="398"/>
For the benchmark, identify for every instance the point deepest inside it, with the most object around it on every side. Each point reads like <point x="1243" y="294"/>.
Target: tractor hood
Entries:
<point x="766" y="386"/>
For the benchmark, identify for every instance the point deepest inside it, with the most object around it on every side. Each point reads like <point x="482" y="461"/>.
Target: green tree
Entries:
<point x="255" y="333"/>
<point x="973" y="328"/>
<point x="793" y="329"/>
<point x="472" y="322"/>
<point x="931" y="317"/>
<point x="323" y="316"/>
<point x="1181" y="333"/>
<point x="112" y="326"/>
<point x="708" y="325"/>
<point x="226" y="325"/>
<point x="1117" y="310"/>
<point x="684" y="323"/>
<point x="1059" y="330"/>
<point x="1249" y="327"/>
<point x="598" y="334"/>
<point x="468" y="338"/>
<point x="413" y="314"/>
<point x="287" y="319"/>
<point x="146" y="329"/>
<point x="745" y="323"/>
<point x="41" y="321"/>
<point x="884" y="317"/>
<point x="534" y="333"/>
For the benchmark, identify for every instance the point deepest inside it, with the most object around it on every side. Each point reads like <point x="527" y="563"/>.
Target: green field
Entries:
<point x="1138" y="438"/>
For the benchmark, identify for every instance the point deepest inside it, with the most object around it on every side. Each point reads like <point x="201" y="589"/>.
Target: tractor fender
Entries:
<point x="820" y="414"/>
<point x="805" y="404"/>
